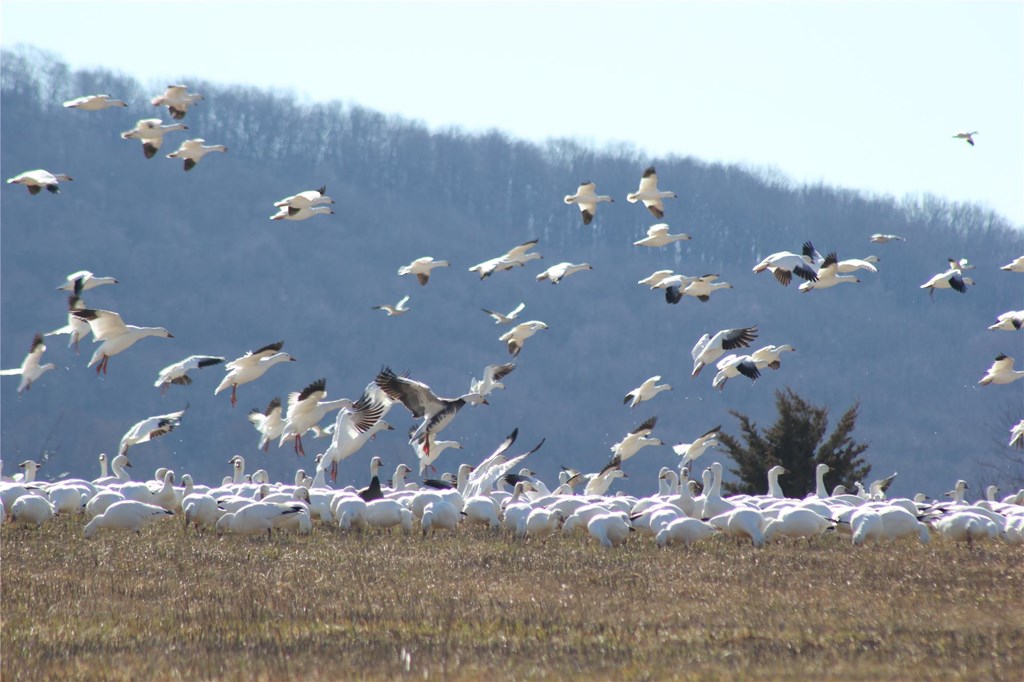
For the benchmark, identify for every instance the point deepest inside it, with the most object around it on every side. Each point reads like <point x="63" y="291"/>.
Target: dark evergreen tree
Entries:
<point x="796" y="441"/>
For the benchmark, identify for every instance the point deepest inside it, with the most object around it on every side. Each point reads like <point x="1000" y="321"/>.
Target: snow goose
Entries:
<point x="164" y="497"/>
<point x="1001" y="372"/>
<point x="83" y="280"/>
<point x="251" y="366"/>
<point x="796" y="522"/>
<point x="518" y="255"/>
<point x="384" y="513"/>
<point x="1016" y="265"/>
<point x="151" y="131"/>
<point x="268" y="422"/>
<point x="422" y="267"/>
<point x="177" y="99"/>
<point x="556" y="273"/>
<point x="701" y="289"/>
<point x="741" y="523"/>
<point x="117" y="466"/>
<point x="94" y="103"/>
<point x="1017" y="435"/>
<point x="150" y="428"/>
<point x="36" y="181"/>
<point x="505" y="319"/>
<point x="784" y="264"/>
<point x="638" y="438"/>
<point x="32" y="510"/>
<point x="199" y="510"/>
<point x="657" y="236"/>
<point x="116" y="336"/>
<point x="542" y="522"/>
<point x="440" y="514"/>
<point x="305" y="410"/>
<point x="879" y="238"/>
<point x="76" y="329"/>
<point x="418" y="398"/>
<point x="193" y="151"/>
<point x="655" y="278"/>
<point x="31" y="467"/>
<point x="771" y="355"/>
<point x="853" y="264"/>
<point x="829" y="275"/>
<point x="774" y="489"/>
<point x="257" y="517"/>
<point x="493" y="374"/>
<point x="291" y="213"/>
<point x="30" y="369"/>
<point x="649" y="194"/>
<point x="517" y="336"/>
<point x="645" y="391"/>
<point x="610" y="529"/>
<point x="427" y="453"/>
<point x="354" y="426"/>
<point x="178" y="372"/>
<point x="968" y="137"/>
<point x="587" y="199"/>
<point x="306" y="199"/>
<point x="691" y="451"/>
<point x="684" y="530"/>
<point x="953" y="278"/>
<point x="733" y="365"/>
<point x="709" y="348"/>
<point x="399" y="308"/>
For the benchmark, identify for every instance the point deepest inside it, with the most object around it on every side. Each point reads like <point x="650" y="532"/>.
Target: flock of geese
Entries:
<point x="477" y="495"/>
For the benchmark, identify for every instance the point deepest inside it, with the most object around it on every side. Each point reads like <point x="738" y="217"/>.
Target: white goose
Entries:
<point x="399" y="308"/>
<point x="94" y="103"/>
<point x="117" y="465"/>
<point x="30" y="369"/>
<point x="127" y="515"/>
<point x="178" y="372"/>
<point x="655" y="278"/>
<point x="291" y="213"/>
<point x="952" y="278"/>
<point x="638" y="438"/>
<point x="518" y="255"/>
<point x="1010" y="321"/>
<point x="645" y="391"/>
<point x="251" y="367"/>
<point x="853" y="264"/>
<point x="691" y="451"/>
<point x="879" y="238"/>
<point x="657" y="236"/>
<point x="505" y="319"/>
<point x="83" y="280"/>
<point x="701" y="289"/>
<point x="354" y="426"/>
<point x="686" y="531"/>
<point x="193" y="151"/>
<point x="587" y="199"/>
<point x="493" y="374"/>
<point x="771" y="355"/>
<point x="306" y="199"/>
<point x="306" y="408"/>
<point x="116" y="336"/>
<point x="1001" y="372"/>
<point x="709" y="348"/>
<point x="517" y="336"/>
<point x="650" y="195"/>
<point x="556" y="273"/>
<point x="427" y="453"/>
<point x="829" y="275"/>
<point x="177" y="99"/>
<point x="151" y="131"/>
<point x="733" y="365"/>
<point x="35" y="181"/>
<point x="76" y="329"/>
<point x="784" y="264"/>
<point x="150" y="428"/>
<point x="1017" y="435"/>
<point x="1016" y="265"/>
<point x="422" y="267"/>
<point x="257" y="517"/>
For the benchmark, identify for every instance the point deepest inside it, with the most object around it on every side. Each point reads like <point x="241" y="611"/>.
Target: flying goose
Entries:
<point x="193" y="151"/>
<point x="1017" y="435"/>
<point x="828" y="275"/>
<point x="518" y="255"/>
<point x="587" y="199"/>
<point x="493" y="374"/>
<point x="108" y="327"/>
<point x="428" y="452"/>
<point x="30" y="369"/>
<point x="853" y="264"/>
<point x="177" y="99"/>
<point x="733" y="365"/>
<point x="422" y="267"/>
<point x="517" y="336"/>
<point x="505" y="319"/>
<point x="950" y="279"/>
<point x="638" y="438"/>
<point x="305" y="410"/>
<point x="83" y="280"/>
<point x="771" y="355"/>
<point x="36" y="181"/>
<point x="700" y="288"/>
<point x="645" y="391"/>
<point x="306" y="199"/>
<point x="691" y="451"/>
<point x="709" y="348"/>
<point x="151" y="131"/>
<point x="178" y="372"/>
<point x="558" y="272"/>
<point x="251" y="366"/>
<point x="879" y="238"/>
<point x="969" y="137"/>
<point x="150" y="428"/>
<point x="418" y="398"/>
<point x="304" y="213"/>
<point x="655" y="278"/>
<point x="269" y="423"/>
<point x="353" y="428"/>
<point x="399" y="308"/>
<point x="76" y="328"/>
<point x="94" y="103"/>
<point x="1001" y="372"/>
<point x="784" y="264"/>
<point x="1016" y="265"/>
<point x="657" y="235"/>
<point x="649" y="194"/>
<point x="1009" y="321"/>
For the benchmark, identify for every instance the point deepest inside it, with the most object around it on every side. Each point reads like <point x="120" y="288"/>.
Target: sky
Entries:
<point x="862" y="95"/>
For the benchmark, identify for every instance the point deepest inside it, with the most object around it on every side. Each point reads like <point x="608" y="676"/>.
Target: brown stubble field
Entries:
<point x="478" y="606"/>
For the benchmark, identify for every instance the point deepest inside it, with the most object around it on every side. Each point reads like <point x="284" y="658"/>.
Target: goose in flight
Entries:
<point x="305" y="410"/>
<point x="556" y="273"/>
<point x="854" y="264"/>
<point x="30" y="369"/>
<point x="829" y="275"/>
<point x="968" y="137"/>
<point x="518" y="255"/>
<point x="422" y="267"/>
<point x="493" y="374"/>
<point x="587" y="199"/>
<point x="784" y="264"/>
<point x="108" y="327"/>
<point x="83" y="280"/>
<point x="1016" y="265"/>
<point x="709" y="348"/>
<point x="657" y="235"/>
<point x="177" y="99"/>
<point x="151" y="131"/>
<point x="94" y="103"/>
<point x="1017" y="435"/>
<point x="771" y="355"/>
<point x="292" y="213"/>
<point x="1010" y="321"/>
<point x="353" y="428"/>
<point x="517" y="336"/>
<point x="193" y="151"/>
<point x="645" y="391"/>
<point x="655" y="278"/>
<point x="950" y="279"/>
<point x="691" y="451"/>
<point x="700" y="288"/>
<point x="733" y="365"/>
<point x="632" y="443"/>
<point x="35" y="181"/>
<point x="879" y="238"/>
<point x="76" y="328"/>
<point x="251" y="366"/>
<point x="650" y="195"/>
<point x="505" y="319"/>
<point x="418" y="398"/>
<point x="269" y="423"/>
<point x="428" y="452"/>
<point x="178" y="372"/>
<point x="306" y="199"/>
<point x="399" y="308"/>
<point x="150" y="428"/>
<point x="1001" y="372"/>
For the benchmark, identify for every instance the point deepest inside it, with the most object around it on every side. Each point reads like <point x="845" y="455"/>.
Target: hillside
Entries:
<point x="195" y="253"/>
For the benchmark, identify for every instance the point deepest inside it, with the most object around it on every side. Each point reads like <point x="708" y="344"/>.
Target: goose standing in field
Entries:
<point x="418" y="398"/>
<point x="518" y="255"/>
<point x="879" y="238"/>
<point x="953" y="278"/>
<point x="650" y="195"/>
<point x="108" y="327"/>
<point x="150" y="428"/>
<point x="76" y="329"/>
<point x="517" y="336"/>
<point x="94" y="103"/>
<point x="505" y="319"/>
<point x="305" y="410"/>
<point x="701" y="289"/>
<point x="83" y="280"/>
<point x="251" y="366"/>
<point x="1016" y="265"/>
<point x="968" y="137"/>
<point x="784" y="264"/>
<point x="493" y="374"/>
<point x="35" y="181"/>
<point x="269" y="423"/>
<point x="178" y="372"/>
<point x="1010" y="321"/>
<point x="291" y="213"/>
<point x="691" y="451"/>
<point x="193" y="151"/>
<point x="422" y="267"/>
<point x="151" y="131"/>
<point x="829" y="275"/>
<point x="30" y="369"/>
<point x="645" y="391"/>
<point x="709" y="348"/>
<point x="657" y="236"/>
<point x="556" y="273"/>
<point x="733" y="365"/>
<point x="587" y="199"/>
<point x="30" y="467"/>
<point x="32" y="510"/>
<point x="399" y="308"/>
<point x="177" y="99"/>
<point x="1001" y="372"/>
<point x="117" y="466"/>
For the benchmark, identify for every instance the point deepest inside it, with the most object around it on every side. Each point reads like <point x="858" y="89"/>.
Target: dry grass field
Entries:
<point x="332" y="606"/>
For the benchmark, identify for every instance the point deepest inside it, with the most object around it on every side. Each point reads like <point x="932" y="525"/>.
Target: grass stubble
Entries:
<point x="479" y="606"/>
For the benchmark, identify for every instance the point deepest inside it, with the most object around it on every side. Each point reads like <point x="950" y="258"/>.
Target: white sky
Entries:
<point x="861" y="95"/>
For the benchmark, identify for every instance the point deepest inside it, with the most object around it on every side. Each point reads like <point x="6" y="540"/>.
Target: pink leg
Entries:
<point x="234" y="400"/>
